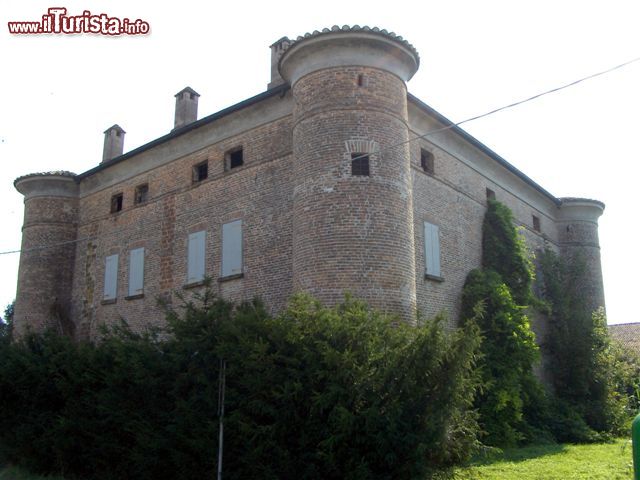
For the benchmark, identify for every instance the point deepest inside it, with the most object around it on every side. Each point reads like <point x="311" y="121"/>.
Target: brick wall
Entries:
<point x="353" y="233"/>
<point x="258" y="192"/>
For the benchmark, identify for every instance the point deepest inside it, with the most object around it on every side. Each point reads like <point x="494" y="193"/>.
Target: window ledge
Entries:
<point x="435" y="278"/>
<point x="134" y="297"/>
<point x="199" y="283"/>
<point x="109" y="301"/>
<point x="230" y="277"/>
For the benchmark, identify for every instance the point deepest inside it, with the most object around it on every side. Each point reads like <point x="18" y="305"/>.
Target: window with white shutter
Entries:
<point x="232" y="248"/>
<point x="136" y="272"/>
<point x="110" y="277"/>
<point x="432" y="250"/>
<point x="196" y="257"/>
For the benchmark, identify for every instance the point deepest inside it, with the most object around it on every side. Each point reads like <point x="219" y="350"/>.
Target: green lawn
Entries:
<point x="604" y="461"/>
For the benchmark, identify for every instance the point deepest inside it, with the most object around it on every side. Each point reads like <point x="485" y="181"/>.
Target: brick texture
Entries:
<point x="308" y="223"/>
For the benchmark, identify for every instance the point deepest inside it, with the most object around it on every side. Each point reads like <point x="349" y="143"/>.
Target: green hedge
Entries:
<point x="313" y="393"/>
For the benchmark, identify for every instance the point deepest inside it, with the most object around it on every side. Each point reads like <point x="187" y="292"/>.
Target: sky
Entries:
<point x="60" y="92"/>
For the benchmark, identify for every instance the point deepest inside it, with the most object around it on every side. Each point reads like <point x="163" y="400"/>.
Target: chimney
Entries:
<point x="186" y="107"/>
<point x="277" y="49"/>
<point x="113" y="143"/>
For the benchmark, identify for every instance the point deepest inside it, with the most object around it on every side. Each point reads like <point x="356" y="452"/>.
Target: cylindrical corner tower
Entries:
<point x="48" y="250"/>
<point x="578" y="234"/>
<point x="352" y="197"/>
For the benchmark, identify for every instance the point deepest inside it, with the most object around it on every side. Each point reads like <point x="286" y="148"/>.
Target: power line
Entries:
<point x="505" y="107"/>
<point x="429" y="133"/>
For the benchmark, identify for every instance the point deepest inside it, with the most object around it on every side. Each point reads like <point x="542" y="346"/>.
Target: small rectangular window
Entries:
<point x="426" y="161"/>
<point x="142" y="191"/>
<point x="110" y="277"/>
<point x="360" y="164"/>
<point x="233" y="159"/>
<point x="136" y="272"/>
<point x="536" y="223"/>
<point x="196" y="257"/>
<point x="232" y="248"/>
<point x="432" y="249"/>
<point x="200" y="172"/>
<point x="116" y="202"/>
<point x="491" y="195"/>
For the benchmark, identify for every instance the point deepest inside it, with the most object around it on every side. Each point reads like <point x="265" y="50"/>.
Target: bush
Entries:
<point x="312" y="393"/>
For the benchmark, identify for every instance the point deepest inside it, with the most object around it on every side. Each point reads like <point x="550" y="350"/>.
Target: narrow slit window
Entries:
<point x="116" y="202"/>
<point x="142" y="192"/>
<point x="360" y="164"/>
<point x="234" y="159"/>
<point x="536" y="223"/>
<point x="426" y="161"/>
<point x="200" y="172"/>
<point x="491" y="195"/>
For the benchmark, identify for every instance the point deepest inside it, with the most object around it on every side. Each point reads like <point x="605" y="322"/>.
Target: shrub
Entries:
<point x="313" y="393"/>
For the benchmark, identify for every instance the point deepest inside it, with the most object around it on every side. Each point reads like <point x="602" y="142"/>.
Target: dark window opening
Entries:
<point x="359" y="164"/>
<point x="117" y="133"/>
<point x="360" y="80"/>
<point x="142" y="191"/>
<point x="192" y="96"/>
<point x="116" y="203"/>
<point x="426" y="161"/>
<point x="200" y="172"/>
<point x="536" y="223"/>
<point x="235" y="158"/>
<point x="491" y="195"/>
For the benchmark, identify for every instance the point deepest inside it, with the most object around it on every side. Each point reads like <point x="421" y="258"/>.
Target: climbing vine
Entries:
<point x="502" y="290"/>
<point x="586" y="364"/>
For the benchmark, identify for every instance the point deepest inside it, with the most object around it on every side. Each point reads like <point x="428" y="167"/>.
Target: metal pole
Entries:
<point x="221" y="388"/>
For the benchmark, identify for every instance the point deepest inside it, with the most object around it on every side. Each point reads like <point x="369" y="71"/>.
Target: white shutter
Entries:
<point x="195" y="257"/>
<point x="232" y="248"/>
<point x="136" y="271"/>
<point x="432" y="249"/>
<point x="110" y="277"/>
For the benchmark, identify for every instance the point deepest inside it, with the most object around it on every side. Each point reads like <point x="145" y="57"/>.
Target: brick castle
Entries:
<point x="319" y="184"/>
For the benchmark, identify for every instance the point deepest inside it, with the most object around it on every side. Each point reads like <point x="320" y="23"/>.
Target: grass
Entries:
<point x="602" y="461"/>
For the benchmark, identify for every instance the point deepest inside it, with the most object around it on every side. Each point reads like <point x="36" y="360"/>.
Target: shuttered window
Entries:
<point x="110" y="277"/>
<point x="136" y="272"/>
<point x="195" y="257"/>
<point x="232" y="248"/>
<point x="432" y="249"/>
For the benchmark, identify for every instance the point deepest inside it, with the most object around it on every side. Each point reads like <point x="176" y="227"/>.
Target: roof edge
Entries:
<point x="482" y="147"/>
<point x="280" y="89"/>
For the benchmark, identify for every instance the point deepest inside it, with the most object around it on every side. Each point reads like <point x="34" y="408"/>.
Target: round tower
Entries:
<point x="578" y="235"/>
<point x="352" y="196"/>
<point x="48" y="249"/>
